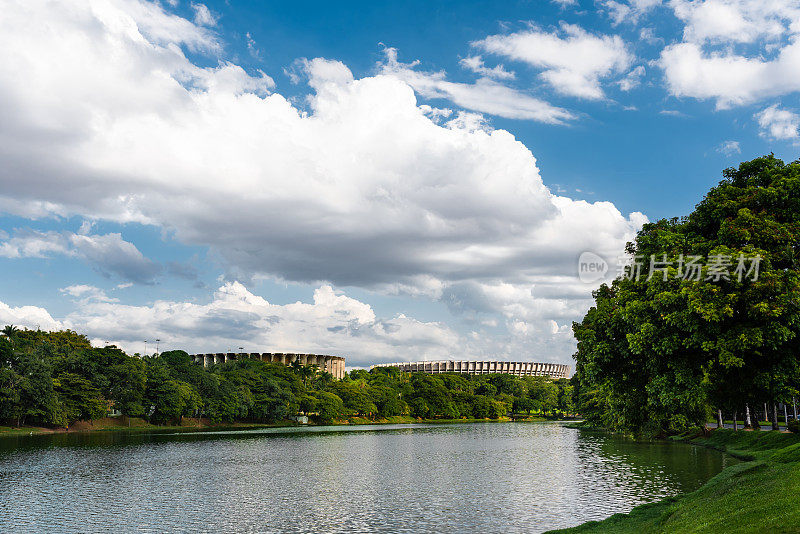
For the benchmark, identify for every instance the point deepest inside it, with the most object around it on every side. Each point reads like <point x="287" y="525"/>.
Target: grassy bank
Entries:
<point x="110" y="424"/>
<point x="137" y="424"/>
<point x="758" y="495"/>
<point x="405" y="419"/>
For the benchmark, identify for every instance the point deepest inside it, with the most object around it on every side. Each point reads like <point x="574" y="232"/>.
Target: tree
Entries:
<point x="271" y="402"/>
<point x="10" y="331"/>
<point x="329" y="406"/>
<point x="486" y="408"/>
<point x="428" y="397"/>
<point x="79" y="399"/>
<point x="387" y="400"/>
<point x="170" y="400"/>
<point x="355" y="396"/>
<point x="524" y="404"/>
<point x="657" y="352"/>
<point x="38" y="400"/>
<point x="127" y="380"/>
<point x="10" y="397"/>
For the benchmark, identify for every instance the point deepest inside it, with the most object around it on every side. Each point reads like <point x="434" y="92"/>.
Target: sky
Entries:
<point x="381" y="181"/>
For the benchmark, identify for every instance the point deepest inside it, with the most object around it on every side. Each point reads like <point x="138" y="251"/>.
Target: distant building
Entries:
<point x="332" y="364"/>
<point x="467" y="367"/>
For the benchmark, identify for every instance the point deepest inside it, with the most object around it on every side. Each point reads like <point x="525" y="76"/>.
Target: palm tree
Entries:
<point x="306" y="372"/>
<point x="10" y="331"/>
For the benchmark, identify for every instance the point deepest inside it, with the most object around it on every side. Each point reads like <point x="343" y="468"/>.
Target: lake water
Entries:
<point x="485" y="477"/>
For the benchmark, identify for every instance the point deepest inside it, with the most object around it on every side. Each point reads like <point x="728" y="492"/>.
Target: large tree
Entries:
<point x="668" y="341"/>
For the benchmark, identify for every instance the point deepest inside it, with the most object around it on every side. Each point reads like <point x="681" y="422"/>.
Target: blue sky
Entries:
<point x="384" y="181"/>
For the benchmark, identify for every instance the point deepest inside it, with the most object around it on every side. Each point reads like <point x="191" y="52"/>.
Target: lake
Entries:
<point x="482" y="477"/>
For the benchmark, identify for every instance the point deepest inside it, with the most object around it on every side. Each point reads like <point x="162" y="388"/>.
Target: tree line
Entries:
<point x="665" y="350"/>
<point x="57" y="378"/>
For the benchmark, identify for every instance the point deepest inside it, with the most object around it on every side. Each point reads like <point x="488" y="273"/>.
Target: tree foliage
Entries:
<point x="659" y="353"/>
<point x="57" y="378"/>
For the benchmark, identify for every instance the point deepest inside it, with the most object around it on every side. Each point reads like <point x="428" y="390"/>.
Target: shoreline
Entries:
<point x="120" y="424"/>
<point x="752" y="496"/>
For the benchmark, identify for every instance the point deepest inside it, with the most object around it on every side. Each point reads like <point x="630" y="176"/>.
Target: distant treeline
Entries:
<point x="57" y="378"/>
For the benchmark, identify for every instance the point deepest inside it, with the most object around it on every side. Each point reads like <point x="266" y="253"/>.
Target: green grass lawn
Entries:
<point x="713" y="423"/>
<point x="761" y="494"/>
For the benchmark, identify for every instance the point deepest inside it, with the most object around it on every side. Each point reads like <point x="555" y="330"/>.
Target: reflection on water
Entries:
<point x="513" y="477"/>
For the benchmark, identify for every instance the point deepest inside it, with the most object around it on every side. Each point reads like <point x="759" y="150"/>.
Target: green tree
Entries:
<point x="10" y="395"/>
<point x="78" y="398"/>
<point x="38" y="400"/>
<point x="355" y="396"/>
<point x="127" y="380"/>
<point x="10" y="331"/>
<point x="329" y="406"/>
<point x="658" y="353"/>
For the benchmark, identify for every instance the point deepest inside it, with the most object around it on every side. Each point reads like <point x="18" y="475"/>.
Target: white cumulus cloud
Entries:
<point x="359" y="186"/>
<point x="779" y="124"/>
<point x="573" y="60"/>
<point x="707" y="64"/>
<point x="742" y="21"/>
<point x="332" y="323"/>
<point x="31" y="317"/>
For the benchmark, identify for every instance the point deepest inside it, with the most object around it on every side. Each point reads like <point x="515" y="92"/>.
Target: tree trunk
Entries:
<point x="766" y="417"/>
<point x="785" y="416"/>
<point x="747" y="423"/>
<point x="794" y="405"/>
<point x="774" y="416"/>
<point x="735" y="423"/>
<point x="719" y="418"/>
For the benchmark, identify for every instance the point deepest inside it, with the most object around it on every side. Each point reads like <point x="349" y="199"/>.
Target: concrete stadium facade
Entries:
<point x="332" y="364"/>
<point x="553" y="370"/>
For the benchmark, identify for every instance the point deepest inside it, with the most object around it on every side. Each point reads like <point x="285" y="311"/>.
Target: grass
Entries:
<point x="713" y="423"/>
<point x="134" y="424"/>
<point x="138" y="424"/>
<point x="406" y="419"/>
<point x="758" y="495"/>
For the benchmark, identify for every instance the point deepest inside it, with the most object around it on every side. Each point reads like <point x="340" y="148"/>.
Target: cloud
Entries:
<point x="574" y="60"/>
<point x="729" y="148"/>
<point x="778" y="124"/>
<point x="743" y="21"/>
<point x="476" y="65"/>
<point x="732" y="80"/>
<point x="182" y="270"/>
<point x="87" y="293"/>
<point x="629" y="11"/>
<point x="707" y="65"/>
<point x="633" y="79"/>
<point x="203" y="15"/>
<point x="648" y="35"/>
<point x="357" y="185"/>
<point x="108" y="253"/>
<point x="484" y="96"/>
<point x="565" y="3"/>
<point x="332" y="323"/>
<point x="28" y="317"/>
<point x="252" y="48"/>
